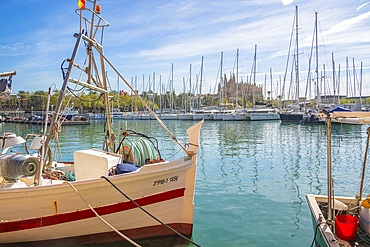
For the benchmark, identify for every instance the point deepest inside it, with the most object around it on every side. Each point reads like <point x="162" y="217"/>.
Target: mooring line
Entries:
<point x="150" y="213"/>
<point x="97" y="215"/>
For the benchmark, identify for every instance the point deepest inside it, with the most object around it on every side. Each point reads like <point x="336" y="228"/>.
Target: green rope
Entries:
<point x="141" y="150"/>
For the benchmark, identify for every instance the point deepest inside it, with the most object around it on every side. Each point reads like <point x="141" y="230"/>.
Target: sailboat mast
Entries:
<point x="361" y="85"/>
<point x="172" y="87"/>
<point x="332" y="58"/>
<point x="190" y="97"/>
<point x="254" y="74"/>
<point x="271" y="84"/>
<point x="296" y="57"/>
<point x="220" y="94"/>
<point x="265" y="89"/>
<point x="338" y="83"/>
<point x="317" y="66"/>
<point x="136" y="92"/>
<point x="354" y="79"/>
<point x="237" y="78"/>
<point x="184" y="94"/>
<point x="347" y="78"/>
<point x="200" y="85"/>
<point x="160" y="93"/>
<point x="153" y="91"/>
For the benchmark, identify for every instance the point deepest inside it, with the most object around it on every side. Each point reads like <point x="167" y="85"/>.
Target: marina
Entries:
<point x="252" y="177"/>
<point x="273" y="151"/>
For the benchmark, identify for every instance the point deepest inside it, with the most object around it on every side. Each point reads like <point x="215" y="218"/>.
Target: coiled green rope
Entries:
<point x="138" y="151"/>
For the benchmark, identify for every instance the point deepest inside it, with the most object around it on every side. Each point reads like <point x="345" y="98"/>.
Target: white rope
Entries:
<point x="97" y="215"/>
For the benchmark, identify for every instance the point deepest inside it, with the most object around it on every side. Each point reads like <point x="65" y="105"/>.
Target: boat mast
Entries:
<point x="118" y="93"/>
<point x="354" y="79"/>
<point x="271" y="84"/>
<point x="160" y="93"/>
<point x="220" y="94"/>
<point x="200" y="85"/>
<point x="347" y="78"/>
<point x="296" y="60"/>
<point x="361" y="85"/>
<point x="265" y="89"/>
<point x="332" y="58"/>
<point x="136" y="91"/>
<point x="317" y="66"/>
<point x="338" y="83"/>
<point x="184" y="94"/>
<point x="237" y="78"/>
<point x="254" y="74"/>
<point x="190" y="97"/>
<point x="153" y="91"/>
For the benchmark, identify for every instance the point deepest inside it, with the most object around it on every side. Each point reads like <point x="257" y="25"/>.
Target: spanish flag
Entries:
<point x="81" y="4"/>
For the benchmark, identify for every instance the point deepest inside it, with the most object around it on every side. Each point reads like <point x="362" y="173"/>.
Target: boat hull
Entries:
<point x="185" y="116"/>
<point x="217" y="116"/>
<point x="169" y="117"/>
<point x="229" y="117"/>
<point x="288" y="117"/>
<point x="264" y="116"/>
<point x="324" y="236"/>
<point x="242" y="116"/>
<point x="205" y="116"/>
<point x="57" y="213"/>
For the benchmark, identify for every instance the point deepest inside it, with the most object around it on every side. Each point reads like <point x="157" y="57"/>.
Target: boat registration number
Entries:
<point x="165" y="180"/>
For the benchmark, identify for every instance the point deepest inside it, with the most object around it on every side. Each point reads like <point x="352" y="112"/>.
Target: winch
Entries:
<point x="13" y="167"/>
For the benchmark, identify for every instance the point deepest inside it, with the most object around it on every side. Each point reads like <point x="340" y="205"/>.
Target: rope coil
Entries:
<point x="138" y="151"/>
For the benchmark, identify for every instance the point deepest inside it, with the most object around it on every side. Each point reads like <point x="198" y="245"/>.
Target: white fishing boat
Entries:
<point x="110" y="200"/>
<point x="335" y="218"/>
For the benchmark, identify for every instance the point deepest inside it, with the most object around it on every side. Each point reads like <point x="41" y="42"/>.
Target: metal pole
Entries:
<point x="62" y="91"/>
<point x="330" y="202"/>
<point x="363" y="167"/>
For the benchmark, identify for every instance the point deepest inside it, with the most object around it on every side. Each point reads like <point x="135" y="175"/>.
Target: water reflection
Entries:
<point x="250" y="175"/>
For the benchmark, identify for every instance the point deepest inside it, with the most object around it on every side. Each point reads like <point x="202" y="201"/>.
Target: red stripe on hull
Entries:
<point x="143" y="236"/>
<point x="87" y="213"/>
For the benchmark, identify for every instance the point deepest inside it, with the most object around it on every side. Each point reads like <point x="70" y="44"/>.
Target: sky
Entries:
<point x="146" y="37"/>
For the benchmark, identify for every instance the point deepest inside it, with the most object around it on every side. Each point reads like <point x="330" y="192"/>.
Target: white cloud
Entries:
<point x="348" y="23"/>
<point x="362" y="5"/>
<point x="287" y="2"/>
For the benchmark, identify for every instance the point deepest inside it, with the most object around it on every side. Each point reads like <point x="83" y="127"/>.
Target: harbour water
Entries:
<point x="252" y="177"/>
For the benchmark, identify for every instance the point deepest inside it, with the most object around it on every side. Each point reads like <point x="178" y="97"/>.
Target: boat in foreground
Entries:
<point x="124" y="192"/>
<point x="336" y="218"/>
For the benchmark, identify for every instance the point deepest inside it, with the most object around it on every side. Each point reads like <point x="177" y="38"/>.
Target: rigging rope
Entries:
<point x="72" y="92"/>
<point x="54" y="135"/>
<point x="97" y="215"/>
<point x="148" y="212"/>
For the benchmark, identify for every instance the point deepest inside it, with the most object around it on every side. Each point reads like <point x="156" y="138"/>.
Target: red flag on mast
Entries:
<point x="123" y="93"/>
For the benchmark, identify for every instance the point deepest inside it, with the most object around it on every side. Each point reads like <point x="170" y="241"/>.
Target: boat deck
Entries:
<point x="362" y="237"/>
